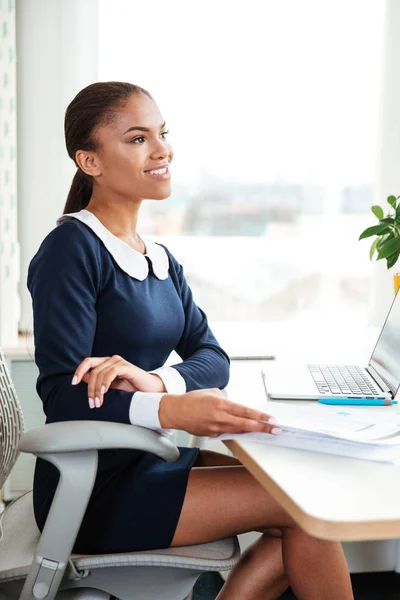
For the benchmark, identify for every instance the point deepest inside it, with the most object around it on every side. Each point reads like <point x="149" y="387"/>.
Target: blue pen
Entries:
<point x="357" y="401"/>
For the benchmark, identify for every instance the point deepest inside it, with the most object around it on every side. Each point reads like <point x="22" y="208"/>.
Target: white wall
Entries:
<point x="57" y="56"/>
<point x="9" y="258"/>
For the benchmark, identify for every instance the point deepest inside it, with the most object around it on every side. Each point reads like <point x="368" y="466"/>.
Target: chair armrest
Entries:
<point x="76" y="436"/>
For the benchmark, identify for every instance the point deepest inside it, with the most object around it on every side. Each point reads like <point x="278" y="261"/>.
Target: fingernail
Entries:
<point x="91" y="403"/>
<point x="74" y="380"/>
<point x="276" y="431"/>
<point x="103" y="389"/>
<point x="97" y="402"/>
<point x="272" y="420"/>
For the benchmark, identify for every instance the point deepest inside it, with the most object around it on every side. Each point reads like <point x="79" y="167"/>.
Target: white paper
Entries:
<point x="333" y="430"/>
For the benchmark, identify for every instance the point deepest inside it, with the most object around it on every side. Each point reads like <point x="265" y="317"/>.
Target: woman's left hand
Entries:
<point x="113" y="372"/>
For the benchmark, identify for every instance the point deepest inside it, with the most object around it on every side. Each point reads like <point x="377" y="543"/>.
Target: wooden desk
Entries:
<point x="330" y="497"/>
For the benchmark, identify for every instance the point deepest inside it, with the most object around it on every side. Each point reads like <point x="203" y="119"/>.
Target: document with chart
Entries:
<point x="331" y="429"/>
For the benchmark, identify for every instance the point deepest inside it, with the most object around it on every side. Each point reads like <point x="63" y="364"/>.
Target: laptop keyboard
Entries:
<point x="339" y="379"/>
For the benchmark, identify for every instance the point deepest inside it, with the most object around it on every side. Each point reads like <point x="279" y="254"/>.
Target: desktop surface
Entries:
<point x="331" y="497"/>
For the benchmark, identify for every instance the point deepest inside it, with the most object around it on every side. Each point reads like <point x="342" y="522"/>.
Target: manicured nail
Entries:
<point x="272" y="420"/>
<point x="276" y="431"/>
<point x="103" y="389"/>
<point x="74" y="380"/>
<point x="91" y="403"/>
<point x="97" y="402"/>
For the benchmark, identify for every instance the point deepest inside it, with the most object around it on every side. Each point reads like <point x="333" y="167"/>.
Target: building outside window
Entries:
<point x="273" y="114"/>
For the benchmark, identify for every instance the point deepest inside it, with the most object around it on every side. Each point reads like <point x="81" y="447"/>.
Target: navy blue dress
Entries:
<point x="84" y="304"/>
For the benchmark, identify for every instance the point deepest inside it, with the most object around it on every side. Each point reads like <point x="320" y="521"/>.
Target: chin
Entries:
<point x="161" y="195"/>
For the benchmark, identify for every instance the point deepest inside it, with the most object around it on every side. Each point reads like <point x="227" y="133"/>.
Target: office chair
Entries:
<point x="36" y="566"/>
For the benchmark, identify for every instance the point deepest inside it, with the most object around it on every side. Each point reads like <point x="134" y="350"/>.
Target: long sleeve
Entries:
<point x="172" y="379"/>
<point x="205" y="364"/>
<point x="64" y="280"/>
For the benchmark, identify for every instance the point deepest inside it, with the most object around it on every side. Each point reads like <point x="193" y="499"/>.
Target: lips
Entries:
<point x="158" y="171"/>
<point x="160" y="174"/>
<point x="159" y="168"/>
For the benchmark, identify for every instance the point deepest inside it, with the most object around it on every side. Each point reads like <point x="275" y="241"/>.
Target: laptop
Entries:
<point x="379" y="380"/>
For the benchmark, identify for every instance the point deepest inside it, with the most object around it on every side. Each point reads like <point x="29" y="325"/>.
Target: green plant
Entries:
<point x="387" y="241"/>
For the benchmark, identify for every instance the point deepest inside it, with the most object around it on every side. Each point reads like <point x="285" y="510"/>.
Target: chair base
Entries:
<point x="168" y="583"/>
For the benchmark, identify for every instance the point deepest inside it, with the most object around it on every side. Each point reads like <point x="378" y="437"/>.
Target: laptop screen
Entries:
<point x="385" y="358"/>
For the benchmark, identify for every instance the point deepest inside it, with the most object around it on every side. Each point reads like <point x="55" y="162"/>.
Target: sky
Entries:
<point x="257" y="90"/>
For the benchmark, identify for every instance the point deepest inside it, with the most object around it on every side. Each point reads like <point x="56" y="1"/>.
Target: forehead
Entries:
<point x="139" y="110"/>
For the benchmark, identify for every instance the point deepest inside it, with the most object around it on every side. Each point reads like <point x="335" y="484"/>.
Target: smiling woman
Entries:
<point x="109" y="308"/>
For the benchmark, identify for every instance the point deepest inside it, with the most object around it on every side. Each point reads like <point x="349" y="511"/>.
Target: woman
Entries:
<point x="109" y="308"/>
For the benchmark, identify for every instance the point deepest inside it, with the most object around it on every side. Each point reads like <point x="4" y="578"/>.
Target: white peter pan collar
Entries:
<point x="131" y="261"/>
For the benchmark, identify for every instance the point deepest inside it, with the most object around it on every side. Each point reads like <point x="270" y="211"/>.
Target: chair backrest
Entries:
<point x="11" y="422"/>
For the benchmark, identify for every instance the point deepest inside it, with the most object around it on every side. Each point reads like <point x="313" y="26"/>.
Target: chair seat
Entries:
<point x="21" y="536"/>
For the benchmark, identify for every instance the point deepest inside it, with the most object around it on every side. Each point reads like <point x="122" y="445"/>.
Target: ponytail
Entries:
<point x="80" y="193"/>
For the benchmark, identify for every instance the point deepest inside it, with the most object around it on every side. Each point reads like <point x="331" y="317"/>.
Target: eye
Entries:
<point x="137" y="140"/>
<point x="165" y="133"/>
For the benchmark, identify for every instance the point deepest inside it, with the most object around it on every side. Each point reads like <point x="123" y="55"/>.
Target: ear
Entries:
<point x="88" y="162"/>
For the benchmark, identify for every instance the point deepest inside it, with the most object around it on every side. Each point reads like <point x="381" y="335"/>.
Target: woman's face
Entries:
<point x="133" y="155"/>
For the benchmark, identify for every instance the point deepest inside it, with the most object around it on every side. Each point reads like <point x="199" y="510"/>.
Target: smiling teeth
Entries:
<point x="158" y="171"/>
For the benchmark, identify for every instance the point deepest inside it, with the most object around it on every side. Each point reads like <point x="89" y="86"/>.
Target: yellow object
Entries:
<point x="396" y="281"/>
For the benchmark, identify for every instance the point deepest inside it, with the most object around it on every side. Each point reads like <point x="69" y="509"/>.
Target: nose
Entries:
<point x="161" y="150"/>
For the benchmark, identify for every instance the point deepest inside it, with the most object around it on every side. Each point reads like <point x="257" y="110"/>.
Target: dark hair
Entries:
<point x="94" y="105"/>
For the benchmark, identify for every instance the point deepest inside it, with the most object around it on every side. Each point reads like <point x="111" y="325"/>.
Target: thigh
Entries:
<point x="209" y="458"/>
<point x="225" y="501"/>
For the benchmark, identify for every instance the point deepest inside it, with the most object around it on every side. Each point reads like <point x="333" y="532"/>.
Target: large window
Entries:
<point x="273" y="111"/>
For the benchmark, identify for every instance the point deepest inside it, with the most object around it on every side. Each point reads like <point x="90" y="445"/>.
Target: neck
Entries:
<point x="119" y="216"/>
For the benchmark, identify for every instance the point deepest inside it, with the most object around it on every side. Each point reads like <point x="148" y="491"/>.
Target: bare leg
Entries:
<point x="237" y="503"/>
<point x="317" y="569"/>
<point x="209" y="458"/>
<point x="260" y="571"/>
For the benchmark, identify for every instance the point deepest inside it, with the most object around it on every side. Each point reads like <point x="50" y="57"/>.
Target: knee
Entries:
<point x="283" y="523"/>
<point x="275" y="532"/>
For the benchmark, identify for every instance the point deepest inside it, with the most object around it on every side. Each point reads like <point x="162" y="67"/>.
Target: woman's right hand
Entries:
<point x="208" y="412"/>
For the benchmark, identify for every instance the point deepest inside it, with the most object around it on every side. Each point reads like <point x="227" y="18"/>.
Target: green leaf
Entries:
<point x="373" y="248"/>
<point x="387" y="220"/>
<point x="382" y="240"/>
<point x="391" y="260"/>
<point x="375" y="230"/>
<point x="389" y="248"/>
<point x="398" y="213"/>
<point x="378" y="211"/>
<point x="392" y="201"/>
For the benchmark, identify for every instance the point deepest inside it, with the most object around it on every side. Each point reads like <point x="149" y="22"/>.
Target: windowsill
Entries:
<point x="23" y="348"/>
<point x="306" y="341"/>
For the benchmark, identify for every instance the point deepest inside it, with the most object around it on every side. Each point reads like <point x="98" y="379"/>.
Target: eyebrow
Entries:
<point x="138" y="128"/>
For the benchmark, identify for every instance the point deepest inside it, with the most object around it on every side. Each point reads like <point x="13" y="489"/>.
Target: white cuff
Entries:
<point x="143" y="410"/>
<point x="172" y="379"/>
